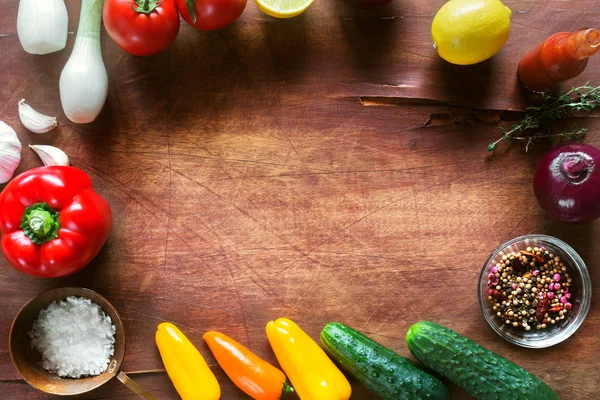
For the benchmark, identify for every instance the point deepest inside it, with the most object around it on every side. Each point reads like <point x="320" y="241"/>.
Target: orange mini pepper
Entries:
<point x="256" y="377"/>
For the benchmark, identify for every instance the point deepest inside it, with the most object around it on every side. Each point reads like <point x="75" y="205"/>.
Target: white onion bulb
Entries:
<point x="42" y="25"/>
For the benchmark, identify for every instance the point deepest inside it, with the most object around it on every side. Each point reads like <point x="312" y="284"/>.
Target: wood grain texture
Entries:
<point x="288" y="168"/>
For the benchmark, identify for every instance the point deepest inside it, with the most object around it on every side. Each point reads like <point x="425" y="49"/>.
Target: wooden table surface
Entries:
<point x="330" y="167"/>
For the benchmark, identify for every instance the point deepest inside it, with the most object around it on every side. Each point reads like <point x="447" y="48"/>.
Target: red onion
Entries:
<point x="567" y="183"/>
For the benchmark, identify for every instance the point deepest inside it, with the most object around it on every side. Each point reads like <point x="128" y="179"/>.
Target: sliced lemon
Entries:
<point x="283" y="8"/>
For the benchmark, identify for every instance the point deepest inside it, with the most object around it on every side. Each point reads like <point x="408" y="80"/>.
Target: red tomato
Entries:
<point x="212" y="14"/>
<point x="141" y="27"/>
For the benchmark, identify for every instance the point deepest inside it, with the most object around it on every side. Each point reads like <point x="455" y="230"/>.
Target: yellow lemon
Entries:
<point x="283" y="8"/>
<point x="470" y="31"/>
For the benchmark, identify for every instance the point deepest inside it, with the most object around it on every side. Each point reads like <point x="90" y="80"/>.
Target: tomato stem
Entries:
<point x="191" y="7"/>
<point x="40" y="223"/>
<point x="146" y="6"/>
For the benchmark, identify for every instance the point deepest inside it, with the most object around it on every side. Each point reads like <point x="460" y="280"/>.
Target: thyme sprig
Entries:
<point x="536" y="124"/>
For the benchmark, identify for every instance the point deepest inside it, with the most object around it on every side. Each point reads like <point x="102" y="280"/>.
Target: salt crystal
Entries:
<point x="75" y="337"/>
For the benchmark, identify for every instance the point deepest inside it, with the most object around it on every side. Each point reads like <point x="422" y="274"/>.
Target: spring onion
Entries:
<point x="83" y="81"/>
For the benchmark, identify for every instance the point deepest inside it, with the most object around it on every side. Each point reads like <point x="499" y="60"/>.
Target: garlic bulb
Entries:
<point x="10" y="152"/>
<point x="42" y="25"/>
<point x="50" y="155"/>
<point x="35" y="121"/>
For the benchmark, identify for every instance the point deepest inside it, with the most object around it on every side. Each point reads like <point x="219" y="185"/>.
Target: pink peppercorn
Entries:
<point x="495" y="282"/>
<point x="495" y="270"/>
<point x="556" y="278"/>
<point x="550" y="295"/>
<point x="490" y="291"/>
<point x="568" y="306"/>
<point x="563" y="299"/>
<point x="515" y="286"/>
<point x="566" y="290"/>
<point x="536" y="272"/>
<point x="568" y="295"/>
<point x="543" y="248"/>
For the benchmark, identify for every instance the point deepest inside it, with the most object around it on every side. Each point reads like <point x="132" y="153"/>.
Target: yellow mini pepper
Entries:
<point x="186" y="367"/>
<point x="313" y="374"/>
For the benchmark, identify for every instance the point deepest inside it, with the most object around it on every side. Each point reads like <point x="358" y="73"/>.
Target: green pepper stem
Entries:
<point x="287" y="389"/>
<point x="40" y="223"/>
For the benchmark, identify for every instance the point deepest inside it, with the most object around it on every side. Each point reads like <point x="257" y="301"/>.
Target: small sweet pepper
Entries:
<point x="256" y="377"/>
<point x="186" y="367"/>
<point x="52" y="221"/>
<point x="313" y="374"/>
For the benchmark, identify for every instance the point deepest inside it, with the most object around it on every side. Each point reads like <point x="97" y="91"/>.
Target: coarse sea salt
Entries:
<point x="75" y="337"/>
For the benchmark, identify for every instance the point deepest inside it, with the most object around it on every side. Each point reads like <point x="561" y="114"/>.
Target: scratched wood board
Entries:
<point x="325" y="168"/>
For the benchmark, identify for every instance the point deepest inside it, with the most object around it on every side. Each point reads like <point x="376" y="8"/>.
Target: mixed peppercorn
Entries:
<point x="530" y="289"/>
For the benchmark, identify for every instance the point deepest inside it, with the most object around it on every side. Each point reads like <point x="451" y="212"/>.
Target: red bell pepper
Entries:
<point x="52" y="221"/>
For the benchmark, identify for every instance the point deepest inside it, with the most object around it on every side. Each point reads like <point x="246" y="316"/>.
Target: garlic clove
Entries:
<point x="35" y="121"/>
<point x="10" y="152"/>
<point x="50" y="155"/>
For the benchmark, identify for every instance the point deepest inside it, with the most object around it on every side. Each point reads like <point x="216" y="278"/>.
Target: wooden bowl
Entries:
<point x="28" y="361"/>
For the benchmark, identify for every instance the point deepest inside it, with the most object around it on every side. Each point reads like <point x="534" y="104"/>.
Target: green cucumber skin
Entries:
<point x="482" y="373"/>
<point x="381" y="370"/>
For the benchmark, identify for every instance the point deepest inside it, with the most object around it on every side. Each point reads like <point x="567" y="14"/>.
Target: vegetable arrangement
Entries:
<point x="314" y="375"/>
<point x="53" y="223"/>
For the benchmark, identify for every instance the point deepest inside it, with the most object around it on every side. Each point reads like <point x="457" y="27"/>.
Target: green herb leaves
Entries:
<point x="536" y="124"/>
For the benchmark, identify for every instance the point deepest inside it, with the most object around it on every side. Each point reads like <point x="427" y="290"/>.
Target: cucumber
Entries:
<point x="482" y="373"/>
<point x="382" y="371"/>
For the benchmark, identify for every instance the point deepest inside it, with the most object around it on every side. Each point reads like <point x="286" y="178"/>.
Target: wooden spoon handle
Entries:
<point x="134" y="386"/>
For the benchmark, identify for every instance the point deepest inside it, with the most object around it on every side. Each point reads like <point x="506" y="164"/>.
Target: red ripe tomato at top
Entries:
<point x="141" y="27"/>
<point x="211" y="14"/>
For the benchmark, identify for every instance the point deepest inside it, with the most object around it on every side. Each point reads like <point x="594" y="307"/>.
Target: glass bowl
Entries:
<point x="581" y="293"/>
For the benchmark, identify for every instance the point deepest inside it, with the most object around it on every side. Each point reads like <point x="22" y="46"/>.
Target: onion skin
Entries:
<point x="567" y="183"/>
